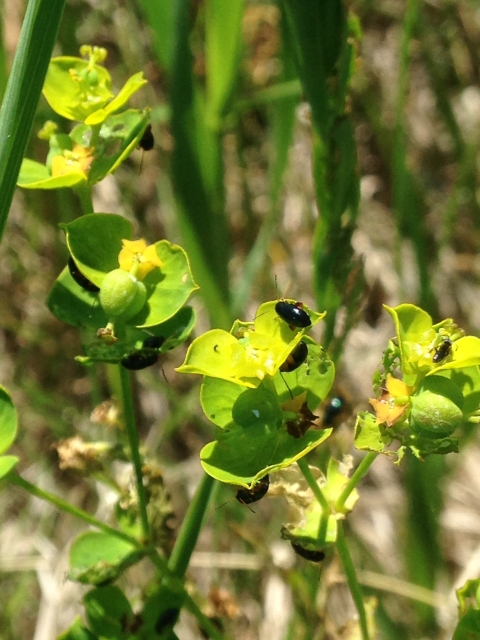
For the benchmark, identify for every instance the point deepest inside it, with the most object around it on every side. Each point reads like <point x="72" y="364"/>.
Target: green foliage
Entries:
<point x="427" y="406"/>
<point x="263" y="380"/>
<point x="80" y="90"/>
<point x="97" y="558"/>
<point x="8" y="431"/>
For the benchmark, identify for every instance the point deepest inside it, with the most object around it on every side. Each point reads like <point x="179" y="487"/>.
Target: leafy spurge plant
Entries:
<point x="428" y="387"/>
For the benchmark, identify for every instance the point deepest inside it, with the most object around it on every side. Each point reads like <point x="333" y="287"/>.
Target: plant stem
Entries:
<point x="131" y="429"/>
<point x="351" y="575"/>
<point x="313" y="484"/>
<point x="190" y="603"/>
<point x="190" y="529"/>
<point x="318" y="493"/>
<point x="85" y="196"/>
<point x="69" y="508"/>
<point x="358" y="474"/>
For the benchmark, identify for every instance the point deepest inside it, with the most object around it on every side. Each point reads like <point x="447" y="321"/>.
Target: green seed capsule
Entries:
<point x="121" y="294"/>
<point x="436" y="410"/>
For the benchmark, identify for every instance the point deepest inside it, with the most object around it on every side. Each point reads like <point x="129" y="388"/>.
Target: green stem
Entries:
<point x="131" y="429"/>
<point x="313" y="484"/>
<point x="358" y="474"/>
<point x="318" y="493"/>
<point x="191" y="526"/>
<point x="351" y="575"/>
<point x="190" y="603"/>
<point x="85" y="196"/>
<point x="68" y="508"/>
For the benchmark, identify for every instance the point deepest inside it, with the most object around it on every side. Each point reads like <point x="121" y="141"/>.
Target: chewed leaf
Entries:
<point x="218" y="354"/>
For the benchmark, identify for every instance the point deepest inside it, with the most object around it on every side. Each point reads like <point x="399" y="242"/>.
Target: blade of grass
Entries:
<point x="222" y="54"/>
<point x="322" y="42"/>
<point x="282" y="116"/>
<point x="161" y="17"/>
<point x="407" y="202"/>
<point x="198" y="180"/>
<point x="23" y="91"/>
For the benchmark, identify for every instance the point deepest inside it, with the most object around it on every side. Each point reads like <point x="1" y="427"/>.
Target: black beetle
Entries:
<point x="293" y="314"/>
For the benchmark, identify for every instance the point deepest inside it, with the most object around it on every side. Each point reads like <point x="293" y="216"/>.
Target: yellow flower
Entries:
<point x="393" y="401"/>
<point x="136" y="256"/>
<point x="76" y="161"/>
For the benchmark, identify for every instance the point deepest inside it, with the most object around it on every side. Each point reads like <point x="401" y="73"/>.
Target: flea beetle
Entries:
<point x="293" y="314"/>
<point x="79" y="278"/>
<point x="139" y="360"/>
<point x="314" y="555"/>
<point x="147" y="141"/>
<point x="256" y="493"/>
<point x="296" y="358"/>
<point x="153" y="342"/>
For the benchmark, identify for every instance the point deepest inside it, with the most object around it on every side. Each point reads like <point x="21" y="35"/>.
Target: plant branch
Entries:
<point x="131" y="429"/>
<point x="191" y="527"/>
<point x="351" y="575"/>
<point x="69" y="508"/>
<point x="357" y="475"/>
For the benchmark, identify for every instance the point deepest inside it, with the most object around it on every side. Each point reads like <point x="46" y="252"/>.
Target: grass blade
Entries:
<point x="23" y="91"/>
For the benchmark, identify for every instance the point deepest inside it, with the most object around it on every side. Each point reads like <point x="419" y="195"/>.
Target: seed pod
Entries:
<point x="121" y="294"/>
<point x="436" y="409"/>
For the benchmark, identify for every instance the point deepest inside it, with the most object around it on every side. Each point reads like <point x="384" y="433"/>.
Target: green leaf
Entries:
<point x="168" y="287"/>
<point x="95" y="240"/>
<point x="245" y="454"/>
<point x="132" y="85"/>
<point x="222" y="54"/>
<point x="259" y="351"/>
<point x="161" y="19"/>
<point x="415" y="334"/>
<point x="217" y="398"/>
<point x="8" y="420"/>
<point x="468" y="627"/>
<point x="7" y="463"/>
<point x="109" y="612"/>
<point x="34" y="175"/>
<point x="218" y="354"/>
<point x="121" y="134"/>
<point x="100" y="557"/>
<point x="465" y="353"/>
<point x="67" y="96"/>
<point x="315" y="376"/>
<point x="77" y="632"/>
<point x="174" y="331"/>
<point x="306" y="533"/>
<point x="369" y="436"/>
<point x="72" y="304"/>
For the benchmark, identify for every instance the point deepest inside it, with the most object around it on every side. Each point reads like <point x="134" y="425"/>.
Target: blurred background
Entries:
<point x="245" y="210"/>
